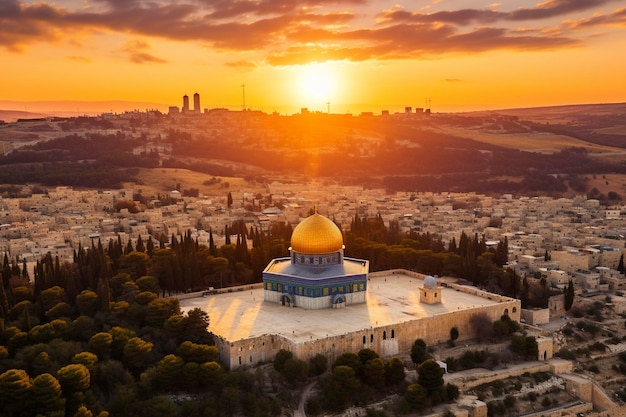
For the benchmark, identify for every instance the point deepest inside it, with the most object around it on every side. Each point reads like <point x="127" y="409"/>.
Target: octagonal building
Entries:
<point x="316" y="275"/>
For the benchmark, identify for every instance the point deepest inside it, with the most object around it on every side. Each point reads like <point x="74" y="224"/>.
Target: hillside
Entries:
<point x="488" y="153"/>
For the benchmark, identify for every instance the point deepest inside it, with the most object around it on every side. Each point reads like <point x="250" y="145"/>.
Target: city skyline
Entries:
<point x="342" y="55"/>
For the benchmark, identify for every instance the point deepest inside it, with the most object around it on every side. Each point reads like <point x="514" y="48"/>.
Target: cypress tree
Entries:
<point x="140" y="246"/>
<point x="569" y="295"/>
<point x="212" y="247"/>
<point x="129" y="247"/>
<point x="226" y="235"/>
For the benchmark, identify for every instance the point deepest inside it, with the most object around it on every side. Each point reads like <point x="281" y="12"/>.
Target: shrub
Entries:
<point x="509" y="401"/>
<point x="599" y="346"/>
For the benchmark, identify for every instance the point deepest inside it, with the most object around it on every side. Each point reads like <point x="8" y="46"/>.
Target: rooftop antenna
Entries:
<point x="243" y="89"/>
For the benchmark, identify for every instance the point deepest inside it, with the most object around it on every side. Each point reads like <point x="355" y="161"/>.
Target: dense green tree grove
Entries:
<point x="387" y="248"/>
<point x="355" y="379"/>
<point x="94" y="338"/>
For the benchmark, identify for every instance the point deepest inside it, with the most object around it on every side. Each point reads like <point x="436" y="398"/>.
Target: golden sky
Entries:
<point x="356" y="55"/>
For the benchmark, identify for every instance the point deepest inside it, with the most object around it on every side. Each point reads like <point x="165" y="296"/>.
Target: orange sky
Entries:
<point x="356" y="54"/>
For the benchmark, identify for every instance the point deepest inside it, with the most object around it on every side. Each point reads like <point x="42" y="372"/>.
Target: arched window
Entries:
<point x="393" y="333"/>
<point x="371" y="338"/>
<point x="515" y="309"/>
<point x="384" y="335"/>
<point x="364" y="340"/>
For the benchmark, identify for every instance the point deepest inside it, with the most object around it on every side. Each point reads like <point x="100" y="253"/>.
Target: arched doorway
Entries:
<point x="339" y="300"/>
<point x="285" y="300"/>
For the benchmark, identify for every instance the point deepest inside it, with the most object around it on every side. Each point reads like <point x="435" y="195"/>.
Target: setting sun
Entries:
<point x="317" y="84"/>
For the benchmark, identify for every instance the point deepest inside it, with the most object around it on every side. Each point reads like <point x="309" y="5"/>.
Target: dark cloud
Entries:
<point x="458" y="17"/>
<point x="414" y="41"/>
<point x="237" y="8"/>
<point x="299" y="31"/>
<point x="556" y="8"/>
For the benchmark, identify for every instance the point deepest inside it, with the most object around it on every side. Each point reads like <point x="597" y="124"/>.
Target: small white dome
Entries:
<point x="430" y="282"/>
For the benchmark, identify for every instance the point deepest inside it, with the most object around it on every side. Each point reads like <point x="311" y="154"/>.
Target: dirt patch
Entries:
<point x="163" y="180"/>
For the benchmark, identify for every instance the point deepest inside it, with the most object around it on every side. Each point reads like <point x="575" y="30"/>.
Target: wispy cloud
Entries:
<point x="284" y="32"/>
<point x="246" y="65"/>
<point x="77" y="58"/>
<point x="136" y="51"/>
<point x="617" y="18"/>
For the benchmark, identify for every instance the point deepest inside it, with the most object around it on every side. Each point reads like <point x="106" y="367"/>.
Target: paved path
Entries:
<point x="305" y="396"/>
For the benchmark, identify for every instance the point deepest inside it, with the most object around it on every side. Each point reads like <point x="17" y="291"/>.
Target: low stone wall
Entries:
<point x="216" y="291"/>
<point x="565" y="410"/>
<point x="604" y="402"/>
<point x="473" y="380"/>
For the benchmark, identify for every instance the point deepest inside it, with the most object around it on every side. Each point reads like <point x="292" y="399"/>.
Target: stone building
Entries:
<point x="251" y="324"/>
<point x="316" y="275"/>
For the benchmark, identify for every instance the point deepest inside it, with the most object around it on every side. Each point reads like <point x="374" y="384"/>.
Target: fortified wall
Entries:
<point x="387" y="340"/>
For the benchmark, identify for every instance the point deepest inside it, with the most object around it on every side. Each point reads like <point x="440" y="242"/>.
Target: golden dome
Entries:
<point x="316" y="235"/>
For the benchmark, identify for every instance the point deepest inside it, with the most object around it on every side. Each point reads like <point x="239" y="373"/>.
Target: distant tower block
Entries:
<point x="430" y="293"/>
<point x="196" y="103"/>
<point x="185" y="103"/>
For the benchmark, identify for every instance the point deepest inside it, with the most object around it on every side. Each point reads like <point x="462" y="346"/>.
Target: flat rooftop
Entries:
<point x="350" y="266"/>
<point x="391" y="299"/>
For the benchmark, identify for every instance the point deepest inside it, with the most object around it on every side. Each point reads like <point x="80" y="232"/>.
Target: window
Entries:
<point x="393" y="333"/>
<point x="364" y="340"/>
<point x="385" y="335"/>
<point x="371" y="338"/>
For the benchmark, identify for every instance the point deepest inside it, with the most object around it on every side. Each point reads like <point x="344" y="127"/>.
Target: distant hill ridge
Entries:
<point x="13" y="110"/>
<point x="62" y="108"/>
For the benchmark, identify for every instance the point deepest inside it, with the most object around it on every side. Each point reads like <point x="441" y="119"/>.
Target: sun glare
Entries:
<point x="317" y="83"/>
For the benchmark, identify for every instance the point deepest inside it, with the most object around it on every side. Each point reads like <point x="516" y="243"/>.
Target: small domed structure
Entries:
<point x="430" y="293"/>
<point x="316" y="235"/>
<point x="430" y="282"/>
